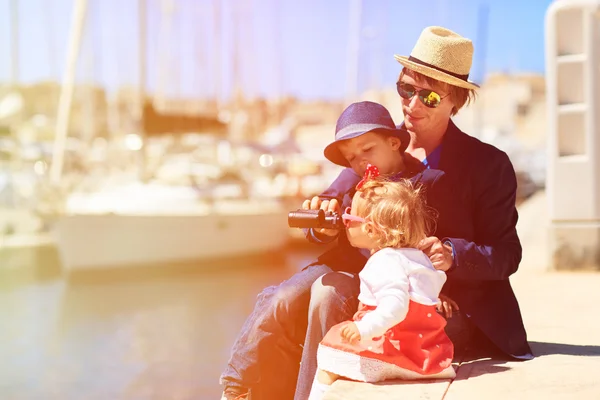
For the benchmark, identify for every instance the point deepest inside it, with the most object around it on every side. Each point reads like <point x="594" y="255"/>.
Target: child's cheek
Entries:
<point x="349" y="235"/>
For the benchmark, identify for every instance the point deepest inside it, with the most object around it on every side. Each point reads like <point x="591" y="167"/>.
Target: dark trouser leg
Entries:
<point x="334" y="299"/>
<point x="267" y="350"/>
<point x="469" y="342"/>
<point x="459" y="329"/>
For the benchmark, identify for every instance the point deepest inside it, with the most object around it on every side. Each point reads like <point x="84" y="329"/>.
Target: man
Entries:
<point x="476" y="242"/>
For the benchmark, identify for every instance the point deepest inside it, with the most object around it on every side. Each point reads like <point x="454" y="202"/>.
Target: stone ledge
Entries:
<point x="394" y="389"/>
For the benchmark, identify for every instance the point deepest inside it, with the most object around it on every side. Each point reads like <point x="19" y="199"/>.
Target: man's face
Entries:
<point x="420" y="118"/>
<point x="372" y="148"/>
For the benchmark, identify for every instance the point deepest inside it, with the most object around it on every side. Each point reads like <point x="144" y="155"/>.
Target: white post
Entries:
<point x="66" y="92"/>
<point x="573" y="106"/>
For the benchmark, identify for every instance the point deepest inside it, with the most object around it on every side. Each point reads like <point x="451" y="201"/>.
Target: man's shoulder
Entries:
<point x="473" y="148"/>
<point x="484" y="163"/>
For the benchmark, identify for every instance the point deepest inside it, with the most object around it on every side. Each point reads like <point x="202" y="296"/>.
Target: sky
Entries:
<point x="266" y="48"/>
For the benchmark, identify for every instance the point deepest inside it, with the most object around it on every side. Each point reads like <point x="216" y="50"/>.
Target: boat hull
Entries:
<point x="104" y="241"/>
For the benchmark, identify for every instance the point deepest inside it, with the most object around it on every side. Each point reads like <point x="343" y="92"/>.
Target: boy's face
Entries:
<point x="357" y="236"/>
<point x="372" y="148"/>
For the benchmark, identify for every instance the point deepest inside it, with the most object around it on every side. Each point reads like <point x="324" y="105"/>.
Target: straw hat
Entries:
<point x="358" y="119"/>
<point x="442" y="55"/>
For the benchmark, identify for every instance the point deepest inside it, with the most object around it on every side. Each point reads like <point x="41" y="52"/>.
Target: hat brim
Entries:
<point x="333" y="153"/>
<point x="435" y="74"/>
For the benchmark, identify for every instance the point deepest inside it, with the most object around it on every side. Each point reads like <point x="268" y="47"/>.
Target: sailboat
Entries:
<point x="148" y="224"/>
<point x="138" y="223"/>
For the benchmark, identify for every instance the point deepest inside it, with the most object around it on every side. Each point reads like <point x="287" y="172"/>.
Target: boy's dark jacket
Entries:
<point x="475" y="198"/>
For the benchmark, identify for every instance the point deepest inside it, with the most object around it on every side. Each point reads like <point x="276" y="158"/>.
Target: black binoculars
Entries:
<point x="315" y="219"/>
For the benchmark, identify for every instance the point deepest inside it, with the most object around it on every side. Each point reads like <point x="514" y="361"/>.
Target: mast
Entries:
<point x="141" y="86"/>
<point x="279" y="96"/>
<point x="217" y="49"/>
<point x="14" y="47"/>
<point x="235" y="59"/>
<point x="353" y="52"/>
<point x="66" y="92"/>
<point x="482" y="27"/>
<point x="165" y="64"/>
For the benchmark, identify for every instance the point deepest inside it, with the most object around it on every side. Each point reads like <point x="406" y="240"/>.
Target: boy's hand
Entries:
<point x="446" y="305"/>
<point x="350" y="333"/>
<point x="326" y="205"/>
<point x="440" y="254"/>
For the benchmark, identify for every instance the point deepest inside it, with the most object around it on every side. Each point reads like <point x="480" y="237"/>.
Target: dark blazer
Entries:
<point x="477" y="213"/>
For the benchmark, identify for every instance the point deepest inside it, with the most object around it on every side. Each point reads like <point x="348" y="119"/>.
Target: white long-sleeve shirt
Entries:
<point x="390" y="278"/>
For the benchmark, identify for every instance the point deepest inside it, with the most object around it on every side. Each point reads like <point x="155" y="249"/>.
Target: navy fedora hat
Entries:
<point x="358" y="119"/>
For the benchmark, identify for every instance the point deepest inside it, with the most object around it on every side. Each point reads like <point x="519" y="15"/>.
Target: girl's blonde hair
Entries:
<point x="459" y="96"/>
<point x="397" y="212"/>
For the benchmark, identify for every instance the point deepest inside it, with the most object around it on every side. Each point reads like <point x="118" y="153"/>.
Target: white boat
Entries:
<point x="152" y="224"/>
<point x="141" y="224"/>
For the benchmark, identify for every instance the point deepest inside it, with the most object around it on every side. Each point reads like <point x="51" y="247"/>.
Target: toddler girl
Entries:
<point x="396" y="333"/>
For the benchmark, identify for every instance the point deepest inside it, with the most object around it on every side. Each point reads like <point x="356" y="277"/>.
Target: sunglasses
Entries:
<point x="428" y="97"/>
<point x="348" y="219"/>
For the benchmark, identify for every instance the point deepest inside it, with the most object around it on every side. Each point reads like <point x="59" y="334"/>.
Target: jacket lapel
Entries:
<point x="451" y="147"/>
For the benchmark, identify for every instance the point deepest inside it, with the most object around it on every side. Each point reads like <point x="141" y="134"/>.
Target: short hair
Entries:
<point x="397" y="211"/>
<point x="459" y="96"/>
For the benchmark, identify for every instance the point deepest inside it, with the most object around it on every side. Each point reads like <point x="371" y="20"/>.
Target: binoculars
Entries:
<point x="315" y="219"/>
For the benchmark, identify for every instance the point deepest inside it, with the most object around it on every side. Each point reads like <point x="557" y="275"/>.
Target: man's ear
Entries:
<point x="394" y="142"/>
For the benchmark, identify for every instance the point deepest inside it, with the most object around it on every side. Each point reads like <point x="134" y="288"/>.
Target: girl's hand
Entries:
<point x="326" y="205"/>
<point x="446" y="305"/>
<point x="350" y="333"/>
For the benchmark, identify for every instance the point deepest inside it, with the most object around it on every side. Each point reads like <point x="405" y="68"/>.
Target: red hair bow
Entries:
<point x="370" y="173"/>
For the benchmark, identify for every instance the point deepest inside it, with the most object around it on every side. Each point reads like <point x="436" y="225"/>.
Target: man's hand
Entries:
<point x="446" y="305"/>
<point x="440" y="254"/>
<point x="350" y="333"/>
<point x="326" y="205"/>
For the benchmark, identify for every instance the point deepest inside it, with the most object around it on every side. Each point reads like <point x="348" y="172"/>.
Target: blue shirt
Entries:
<point x="432" y="161"/>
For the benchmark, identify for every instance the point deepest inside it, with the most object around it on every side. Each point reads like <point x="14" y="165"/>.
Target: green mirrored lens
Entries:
<point x="430" y="98"/>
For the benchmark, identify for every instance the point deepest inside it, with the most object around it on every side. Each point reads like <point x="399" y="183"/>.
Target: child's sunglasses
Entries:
<point x="428" y="97"/>
<point x="348" y="219"/>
